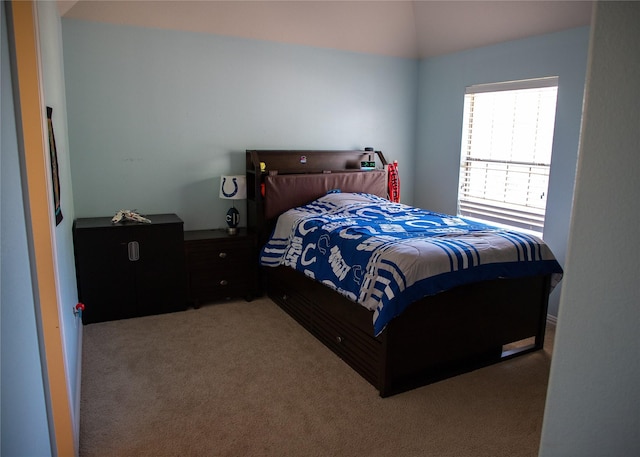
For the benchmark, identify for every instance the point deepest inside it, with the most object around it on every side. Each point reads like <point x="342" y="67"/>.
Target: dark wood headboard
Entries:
<point x="278" y="180"/>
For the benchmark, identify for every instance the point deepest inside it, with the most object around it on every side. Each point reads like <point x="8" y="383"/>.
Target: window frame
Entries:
<point x="479" y="169"/>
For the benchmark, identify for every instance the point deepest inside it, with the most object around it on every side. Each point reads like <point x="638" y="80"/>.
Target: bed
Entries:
<point x="425" y="338"/>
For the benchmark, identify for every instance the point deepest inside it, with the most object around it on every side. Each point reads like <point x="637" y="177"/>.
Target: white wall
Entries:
<point x="25" y="428"/>
<point x="23" y="419"/>
<point x="593" y="401"/>
<point x="50" y="40"/>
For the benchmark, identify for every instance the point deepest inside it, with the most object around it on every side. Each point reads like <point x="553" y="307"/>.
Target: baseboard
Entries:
<point x="551" y="319"/>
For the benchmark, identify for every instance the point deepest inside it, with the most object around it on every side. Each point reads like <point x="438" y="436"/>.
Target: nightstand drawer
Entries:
<point x="212" y="286"/>
<point x="220" y="266"/>
<point x="222" y="278"/>
<point x="223" y="255"/>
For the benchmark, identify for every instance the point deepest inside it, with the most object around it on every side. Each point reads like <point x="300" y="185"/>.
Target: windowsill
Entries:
<point x="504" y="226"/>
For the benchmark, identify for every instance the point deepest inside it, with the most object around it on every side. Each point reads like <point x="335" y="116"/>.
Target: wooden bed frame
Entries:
<point x="435" y="338"/>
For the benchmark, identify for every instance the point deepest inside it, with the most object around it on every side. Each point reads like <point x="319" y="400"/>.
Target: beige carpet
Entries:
<point x="244" y="379"/>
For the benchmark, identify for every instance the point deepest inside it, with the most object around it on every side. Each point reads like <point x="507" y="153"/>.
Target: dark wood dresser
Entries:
<point x="129" y="269"/>
<point x="220" y="266"/>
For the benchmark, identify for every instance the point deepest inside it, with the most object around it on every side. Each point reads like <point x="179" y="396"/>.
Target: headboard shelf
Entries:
<point x="310" y="161"/>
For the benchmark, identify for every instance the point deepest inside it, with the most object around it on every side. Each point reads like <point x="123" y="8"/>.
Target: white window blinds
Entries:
<point x="507" y="138"/>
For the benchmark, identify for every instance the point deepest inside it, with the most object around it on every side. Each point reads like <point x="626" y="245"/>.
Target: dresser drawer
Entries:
<point x="327" y="322"/>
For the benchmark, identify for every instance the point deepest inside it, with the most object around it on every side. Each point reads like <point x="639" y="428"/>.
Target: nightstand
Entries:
<point x="220" y="266"/>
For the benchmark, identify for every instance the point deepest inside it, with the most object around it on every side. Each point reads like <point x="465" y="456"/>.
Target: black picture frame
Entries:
<point x="55" y="176"/>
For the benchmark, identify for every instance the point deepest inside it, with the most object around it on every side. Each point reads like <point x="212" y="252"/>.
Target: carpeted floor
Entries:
<point x="243" y="379"/>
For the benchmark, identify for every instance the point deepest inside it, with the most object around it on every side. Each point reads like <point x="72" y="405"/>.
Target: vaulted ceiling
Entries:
<point x="413" y="29"/>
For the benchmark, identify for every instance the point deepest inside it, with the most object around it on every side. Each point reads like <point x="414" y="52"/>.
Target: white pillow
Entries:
<point x="348" y="198"/>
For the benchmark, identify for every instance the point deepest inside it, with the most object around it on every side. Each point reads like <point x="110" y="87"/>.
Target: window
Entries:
<point x="505" y="156"/>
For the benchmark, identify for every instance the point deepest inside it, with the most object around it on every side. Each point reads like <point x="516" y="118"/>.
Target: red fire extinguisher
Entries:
<point x="394" y="182"/>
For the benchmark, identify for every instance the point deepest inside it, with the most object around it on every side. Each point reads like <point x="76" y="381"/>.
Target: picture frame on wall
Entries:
<point x="55" y="177"/>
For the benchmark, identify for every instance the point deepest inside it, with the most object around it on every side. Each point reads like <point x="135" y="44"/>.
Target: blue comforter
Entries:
<point x="386" y="255"/>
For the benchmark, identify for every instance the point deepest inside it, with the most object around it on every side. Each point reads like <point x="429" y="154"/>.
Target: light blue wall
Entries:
<point x="442" y="82"/>
<point x="23" y="417"/>
<point x="156" y="116"/>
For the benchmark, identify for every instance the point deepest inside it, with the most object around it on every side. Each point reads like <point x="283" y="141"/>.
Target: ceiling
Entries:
<point x="411" y="29"/>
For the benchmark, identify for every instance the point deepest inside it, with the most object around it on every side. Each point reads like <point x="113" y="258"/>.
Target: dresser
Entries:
<point x="129" y="269"/>
<point x="220" y="266"/>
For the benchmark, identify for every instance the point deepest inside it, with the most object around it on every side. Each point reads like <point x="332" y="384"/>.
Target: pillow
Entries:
<point x="347" y="198"/>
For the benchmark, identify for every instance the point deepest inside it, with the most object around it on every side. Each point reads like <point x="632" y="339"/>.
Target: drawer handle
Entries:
<point x="133" y="251"/>
<point x="222" y="255"/>
<point x="339" y="340"/>
<point x="284" y="297"/>
<point x="223" y="282"/>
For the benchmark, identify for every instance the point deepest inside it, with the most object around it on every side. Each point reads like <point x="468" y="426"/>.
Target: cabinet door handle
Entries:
<point x="222" y="255"/>
<point x="223" y="282"/>
<point x="133" y="249"/>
